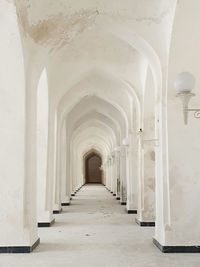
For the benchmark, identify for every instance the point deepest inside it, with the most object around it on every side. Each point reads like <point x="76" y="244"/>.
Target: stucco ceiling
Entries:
<point x="96" y="48"/>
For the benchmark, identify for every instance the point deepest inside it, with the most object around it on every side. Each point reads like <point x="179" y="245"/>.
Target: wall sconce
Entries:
<point x="184" y="84"/>
<point x="125" y="142"/>
<point x="117" y="149"/>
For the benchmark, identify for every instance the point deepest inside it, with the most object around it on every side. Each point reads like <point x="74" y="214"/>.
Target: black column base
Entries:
<point x="176" y="249"/>
<point x="145" y="224"/>
<point x="46" y="224"/>
<point x="65" y="204"/>
<point x="111" y="192"/>
<point x="73" y="195"/>
<point x="57" y="211"/>
<point x="114" y="195"/>
<point x="20" y="249"/>
<point x="117" y="198"/>
<point x="123" y="203"/>
<point x="131" y="211"/>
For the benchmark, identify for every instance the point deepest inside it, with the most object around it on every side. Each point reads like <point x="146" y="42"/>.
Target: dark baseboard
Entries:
<point x="57" y="211"/>
<point x="118" y="198"/>
<point x="176" y="249"/>
<point x="20" y="249"/>
<point x="131" y="211"/>
<point x="65" y="204"/>
<point x="123" y="203"/>
<point x="114" y="194"/>
<point x="46" y="224"/>
<point x="145" y="224"/>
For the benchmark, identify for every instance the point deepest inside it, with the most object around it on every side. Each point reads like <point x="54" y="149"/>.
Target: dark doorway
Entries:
<point x="93" y="172"/>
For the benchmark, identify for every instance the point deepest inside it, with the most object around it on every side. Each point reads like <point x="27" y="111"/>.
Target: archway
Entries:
<point x="93" y="172"/>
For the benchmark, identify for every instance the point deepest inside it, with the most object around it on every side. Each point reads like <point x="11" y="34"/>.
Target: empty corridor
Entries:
<point x="95" y="231"/>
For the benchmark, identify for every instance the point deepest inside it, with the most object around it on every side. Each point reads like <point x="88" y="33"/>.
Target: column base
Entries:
<point x="176" y="249"/>
<point x="73" y="195"/>
<point x="145" y="224"/>
<point x="111" y="192"/>
<point x="57" y="211"/>
<point x="65" y="204"/>
<point x="46" y="224"/>
<point x="123" y="203"/>
<point x="117" y="198"/>
<point x="131" y="211"/>
<point x="114" y="195"/>
<point x="20" y="249"/>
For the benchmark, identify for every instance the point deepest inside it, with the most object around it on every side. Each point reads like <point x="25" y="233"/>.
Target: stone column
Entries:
<point x="44" y="210"/>
<point x="108" y="174"/>
<point x="112" y="182"/>
<point x="146" y="189"/>
<point x="18" y="224"/>
<point x="115" y="174"/>
<point x="57" y="174"/>
<point x="65" y="187"/>
<point x="132" y="177"/>
<point x="123" y="176"/>
<point x="118" y="174"/>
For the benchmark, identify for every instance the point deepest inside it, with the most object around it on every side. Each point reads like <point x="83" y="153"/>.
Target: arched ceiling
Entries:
<point x="94" y="131"/>
<point x="100" y="127"/>
<point x="95" y="116"/>
<point x="88" y="107"/>
<point x="90" y="138"/>
<point x="97" y="53"/>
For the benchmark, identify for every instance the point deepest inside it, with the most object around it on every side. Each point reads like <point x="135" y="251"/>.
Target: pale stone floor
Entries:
<point x="95" y="231"/>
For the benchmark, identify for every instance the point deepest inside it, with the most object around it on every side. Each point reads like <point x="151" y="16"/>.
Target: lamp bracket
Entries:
<point x="196" y="112"/>
<point x="185" y="98"/>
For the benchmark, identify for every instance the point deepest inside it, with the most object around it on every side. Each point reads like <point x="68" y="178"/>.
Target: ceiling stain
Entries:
<point x="57" y="30"/>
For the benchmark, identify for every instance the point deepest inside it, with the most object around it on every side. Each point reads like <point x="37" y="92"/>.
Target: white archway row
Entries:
<point x="89" y="106"/>
<point x="68" y="103"/>
<point x="103" y="121"/>
<point x="19" y="114"/>
<point x="75" y="114"/>
<point x="89" y="132"/>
